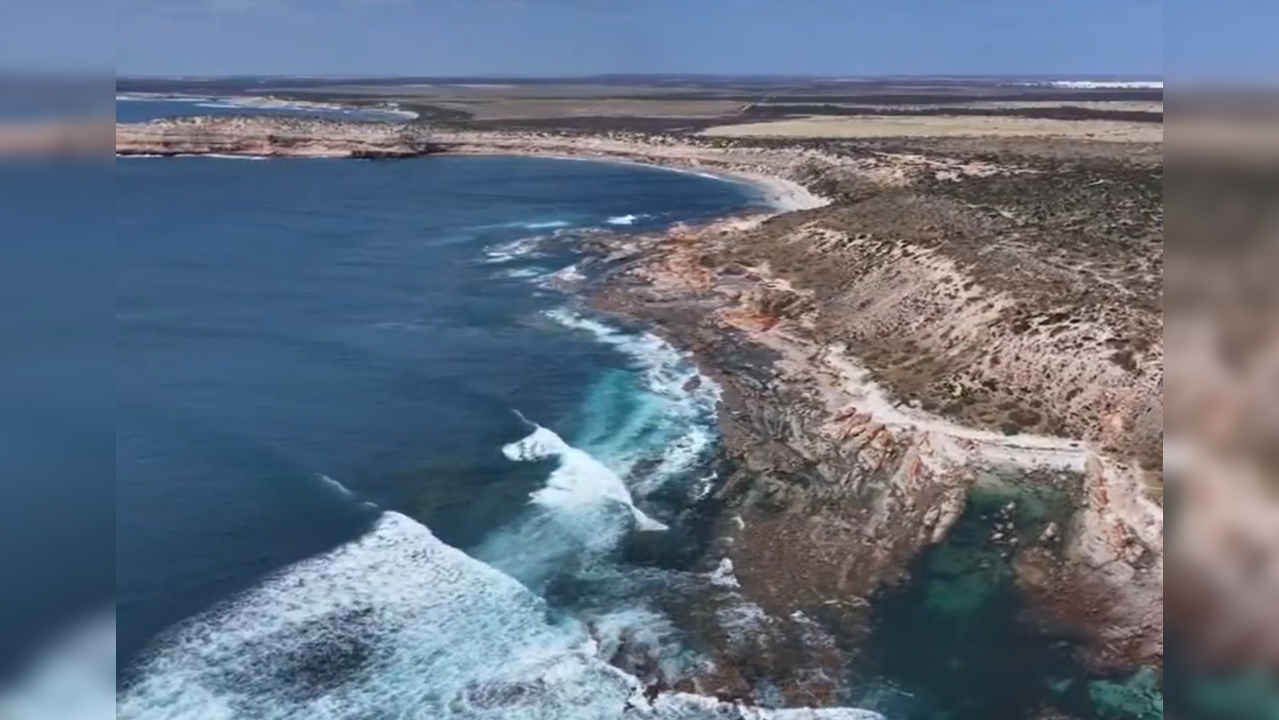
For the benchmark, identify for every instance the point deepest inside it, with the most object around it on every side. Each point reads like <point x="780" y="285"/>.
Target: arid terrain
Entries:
<point x="956" y="310"/>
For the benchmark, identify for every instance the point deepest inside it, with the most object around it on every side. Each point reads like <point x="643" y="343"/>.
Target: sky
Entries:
<point x="585" y="37"/>
<point x="582" y="37"/>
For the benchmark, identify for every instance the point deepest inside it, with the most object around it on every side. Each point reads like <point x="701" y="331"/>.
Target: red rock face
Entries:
<point x="272" y="137"/>
<point x="840" y="485"/>
<point x="944" y="316"/>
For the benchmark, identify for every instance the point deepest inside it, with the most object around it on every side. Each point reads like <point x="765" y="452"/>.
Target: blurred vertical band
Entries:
<point x="1222" y="398"/>
<point x="57" y="495"/>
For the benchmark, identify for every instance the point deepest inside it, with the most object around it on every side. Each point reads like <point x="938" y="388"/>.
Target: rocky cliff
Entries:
<point x="886" y="355"/>
<point x="273" y="137"/>
<point x="922" y="326"/>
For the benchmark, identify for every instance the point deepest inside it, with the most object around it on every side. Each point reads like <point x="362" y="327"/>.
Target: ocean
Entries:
<point x="359" y="367"/>
<point x="372" y="463"/>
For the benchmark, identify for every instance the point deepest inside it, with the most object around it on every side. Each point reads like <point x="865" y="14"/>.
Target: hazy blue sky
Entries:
<point x="556" y="37"/>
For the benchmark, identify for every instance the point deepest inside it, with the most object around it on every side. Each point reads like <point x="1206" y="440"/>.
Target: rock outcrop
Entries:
<point x="919" y="322"/>
<point x="872" y="372"/>
<point x="273" y="137"/>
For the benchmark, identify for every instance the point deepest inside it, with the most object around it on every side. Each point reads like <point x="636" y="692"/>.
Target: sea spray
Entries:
<point x="624" y="219"/>
<point x="514" y="249"/>
<point x="580" y="482"/>
<point x="399" y="624"/>
<point x="674" y="419"/>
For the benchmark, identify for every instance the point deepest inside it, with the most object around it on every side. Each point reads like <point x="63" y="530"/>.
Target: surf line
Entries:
<point x="580" y="476"/>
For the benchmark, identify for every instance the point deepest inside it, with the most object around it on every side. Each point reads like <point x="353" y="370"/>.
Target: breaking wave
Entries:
<point x="580" y="481"/>
<point x="514" y="250"/>
<point x="624" y="219"/>
<point x="337" y="487"/>
<point x="399" y="624"/>
<point x="561" y="278"/>
<point x="524" y="273"/>
<point x="575" y="521"/>
<point x="646" y="427"/>
<point x="671" y="426"/>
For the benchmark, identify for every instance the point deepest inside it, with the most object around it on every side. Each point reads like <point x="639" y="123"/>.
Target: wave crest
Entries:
<point x="580" y="481"/>
<point x="676" y="418"/>
<point x="624" y="219"/>
<point x="399" y="624"/>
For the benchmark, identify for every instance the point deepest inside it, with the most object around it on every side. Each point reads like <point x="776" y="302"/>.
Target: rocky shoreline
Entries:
<point x="848" y="467"/>
<point x="774" y="173"/>
<point x="912" y="327"/>
<point x="838" y="486"/>
<point x="273" y="137"/>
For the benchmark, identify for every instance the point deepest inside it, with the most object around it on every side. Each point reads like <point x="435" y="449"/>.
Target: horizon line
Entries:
<point x="591" y="76"/>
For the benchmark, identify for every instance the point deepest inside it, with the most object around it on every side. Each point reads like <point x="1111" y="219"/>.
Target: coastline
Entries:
<point x="1097" y="569"/>
<point x="771" y="173"/>
<point x="781" y="193"/>
<point x="840" y="479"/>
<point x="832" y="492"/>
<point x="257" y="101"/>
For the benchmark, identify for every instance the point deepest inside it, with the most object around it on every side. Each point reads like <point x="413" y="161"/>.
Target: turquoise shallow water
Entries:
<point x="332" y="373"/>
<point x="283" y="322"/>
<point x="953" y="640"/>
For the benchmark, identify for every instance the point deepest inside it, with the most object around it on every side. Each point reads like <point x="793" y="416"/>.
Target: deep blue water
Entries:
<point x="318" y="360"/>
<point x="141" y="110"/>
<point x="56" y="408"/>
<point x="285" y="321"/>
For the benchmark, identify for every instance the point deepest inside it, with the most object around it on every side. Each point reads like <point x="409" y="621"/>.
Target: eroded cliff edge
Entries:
<point x="273" y="137"/>
<point x="948" y="325"/>
<point x="929" y="322"/>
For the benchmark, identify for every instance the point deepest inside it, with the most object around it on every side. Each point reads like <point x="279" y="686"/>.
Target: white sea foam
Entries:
<point x="398" y="624"/>
<point x="676" y="416"/>
<point x="624" y="219"/>
<point x="524" y="273"/>
<point x="575" y="520"/>
<point x="723" y="575"/>
<point x="545" y="225"/>
<point x="638" y="631"/>
<point x="741" y="620"/>
<point x="226" y="105"/>
<point x="705" y="486"/>
<point x="699" y="173"/>
<point x="215" y="156"/>
<point x="160" y="98"/>
<point x="815" y="636"/>
<point x="1102" y="84"/>
<point x="264" y="103"/>
<point x="514" y="250"/>
<point x="581" y="482"/>
<point x="338" y="487"/>
<point x="561" y="278"/>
